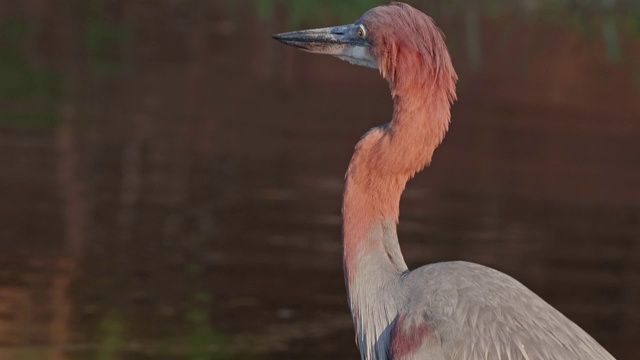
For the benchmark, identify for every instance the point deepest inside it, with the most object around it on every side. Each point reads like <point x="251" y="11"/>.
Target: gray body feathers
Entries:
<point x="476" y="313"/>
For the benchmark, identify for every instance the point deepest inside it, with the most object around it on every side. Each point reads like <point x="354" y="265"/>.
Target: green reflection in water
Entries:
<point x="634" y="24"/>
<point x="110" y="337"/>
<point x="201" y="341"/>
<point x="31" y="354"/>
<point x="32" y="94"/>
<point x="204" y="342"/>
<point x="104" y="41"/>
<point x="610" y="36"/>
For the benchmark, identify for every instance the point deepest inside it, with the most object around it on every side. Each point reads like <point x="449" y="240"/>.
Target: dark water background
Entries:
<point x="171" y="177"/>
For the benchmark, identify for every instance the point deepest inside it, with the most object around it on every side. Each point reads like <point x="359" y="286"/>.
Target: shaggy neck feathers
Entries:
<point x="422" y="82"/>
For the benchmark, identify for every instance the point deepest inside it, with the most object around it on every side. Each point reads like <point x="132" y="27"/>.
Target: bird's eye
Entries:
<point x="361" y="31"/>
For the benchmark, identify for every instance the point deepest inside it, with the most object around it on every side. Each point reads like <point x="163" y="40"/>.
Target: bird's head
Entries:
<point x="348" y="42"/>
<point x="396" y="39"/>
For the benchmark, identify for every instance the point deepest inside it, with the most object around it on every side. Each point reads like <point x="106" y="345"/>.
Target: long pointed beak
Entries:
<point x="330" y="40"/>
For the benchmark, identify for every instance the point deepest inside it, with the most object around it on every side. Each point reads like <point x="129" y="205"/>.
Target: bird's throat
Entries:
<point x="383" y="161"/>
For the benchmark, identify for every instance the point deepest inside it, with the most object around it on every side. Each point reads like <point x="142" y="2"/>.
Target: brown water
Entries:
<point x="176" y="195"/>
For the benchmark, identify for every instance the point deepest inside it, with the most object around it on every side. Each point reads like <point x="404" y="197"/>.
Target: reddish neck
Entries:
<point x="384" y="160"/>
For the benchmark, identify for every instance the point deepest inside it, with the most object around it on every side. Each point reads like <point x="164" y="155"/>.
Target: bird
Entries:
<point x="441" y="311"/>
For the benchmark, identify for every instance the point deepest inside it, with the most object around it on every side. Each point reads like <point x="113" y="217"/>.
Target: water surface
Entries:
<point x="171" y="184"/>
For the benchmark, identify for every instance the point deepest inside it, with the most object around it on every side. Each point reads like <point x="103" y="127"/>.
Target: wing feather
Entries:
<point x="477" y="313"/>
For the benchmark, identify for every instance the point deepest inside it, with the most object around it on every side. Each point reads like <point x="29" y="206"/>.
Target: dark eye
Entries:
<point x="361" y="31"/>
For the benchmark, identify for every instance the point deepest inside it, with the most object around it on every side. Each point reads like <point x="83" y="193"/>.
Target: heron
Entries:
<point x="442" y="311"/>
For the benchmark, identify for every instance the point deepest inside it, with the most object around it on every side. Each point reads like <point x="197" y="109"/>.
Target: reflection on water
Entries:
<point x="171" y="182"/>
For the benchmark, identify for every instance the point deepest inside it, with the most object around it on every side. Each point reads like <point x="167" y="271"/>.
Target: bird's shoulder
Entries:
<point x="466" y="311"/>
